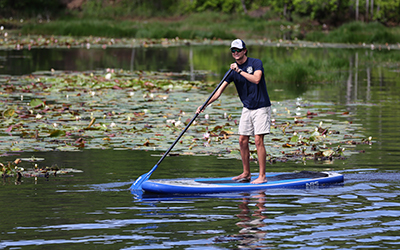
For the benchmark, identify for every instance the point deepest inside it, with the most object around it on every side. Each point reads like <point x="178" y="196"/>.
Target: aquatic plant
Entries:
<point x="118" y="109"/>
<point x="17" y="169"/>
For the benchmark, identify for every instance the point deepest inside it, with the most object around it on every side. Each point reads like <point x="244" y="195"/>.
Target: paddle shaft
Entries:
<point x="137" y="185"/>
<point x="194" y="118"/>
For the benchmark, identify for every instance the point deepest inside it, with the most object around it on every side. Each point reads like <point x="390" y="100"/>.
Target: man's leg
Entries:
<point x="245" y="154"/>
<point x="262" y="158"/>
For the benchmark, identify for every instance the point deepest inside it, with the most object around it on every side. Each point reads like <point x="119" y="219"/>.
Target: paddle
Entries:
<point x="137" y="185"/>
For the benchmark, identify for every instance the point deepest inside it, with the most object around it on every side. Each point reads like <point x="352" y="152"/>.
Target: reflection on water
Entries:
<point x="94" y="209"/>
<point x="175" y="59"/>
<point x="252" y="222"/>
<point x="362" y="213"/>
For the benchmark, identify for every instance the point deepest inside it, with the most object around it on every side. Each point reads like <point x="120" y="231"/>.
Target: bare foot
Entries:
<point x="241" y="177"/>
<point x="259" y="181"/>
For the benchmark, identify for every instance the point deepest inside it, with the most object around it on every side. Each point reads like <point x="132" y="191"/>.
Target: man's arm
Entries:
<point x="254" y="78"/>
<point x="214" y="97"/>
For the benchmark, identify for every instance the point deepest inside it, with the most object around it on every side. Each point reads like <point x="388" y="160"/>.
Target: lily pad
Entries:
<point x="57" y="133"/>
<point x="36" y="103"/>
<point x="148" y="110"/>
<point x="8" y="113"/>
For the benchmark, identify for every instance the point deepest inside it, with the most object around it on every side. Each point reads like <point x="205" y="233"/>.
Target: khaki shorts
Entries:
<point x="255" y="121"/>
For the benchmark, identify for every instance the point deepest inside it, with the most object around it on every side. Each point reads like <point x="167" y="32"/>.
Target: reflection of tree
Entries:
<point x="290" y="72"/>
<point x="356" y="88"/>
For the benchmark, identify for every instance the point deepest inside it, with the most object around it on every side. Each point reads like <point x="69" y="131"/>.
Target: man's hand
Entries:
<point x="235" y="67"/>
<point x="198" y="111"/>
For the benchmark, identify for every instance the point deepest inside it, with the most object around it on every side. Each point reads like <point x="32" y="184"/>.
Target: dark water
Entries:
<point x="176" y="59"/>
<point x="94" y="210"/>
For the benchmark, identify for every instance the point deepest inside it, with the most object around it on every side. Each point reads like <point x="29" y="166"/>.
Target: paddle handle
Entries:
<point x="194" y="118"/>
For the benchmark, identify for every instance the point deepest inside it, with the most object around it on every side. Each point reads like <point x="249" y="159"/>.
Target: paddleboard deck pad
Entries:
<point x="303" y="179"/>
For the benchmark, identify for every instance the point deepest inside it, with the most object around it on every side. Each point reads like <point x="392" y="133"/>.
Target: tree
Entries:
<point x="31" y="8"/>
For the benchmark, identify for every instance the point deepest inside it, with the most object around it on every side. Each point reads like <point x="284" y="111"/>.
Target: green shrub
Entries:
<point x="356" y="33"/>
<point x="383" y="36"/>
<point x="315" y="36"/>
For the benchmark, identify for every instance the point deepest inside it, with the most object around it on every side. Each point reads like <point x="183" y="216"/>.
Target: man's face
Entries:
<point x="238" y="54"/>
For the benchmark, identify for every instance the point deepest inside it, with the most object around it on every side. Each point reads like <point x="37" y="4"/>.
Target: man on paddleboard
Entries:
<point x="248" y="76"/>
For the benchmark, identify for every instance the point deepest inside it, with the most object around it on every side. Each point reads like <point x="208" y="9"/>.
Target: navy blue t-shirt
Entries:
<point x="253" y="96"/>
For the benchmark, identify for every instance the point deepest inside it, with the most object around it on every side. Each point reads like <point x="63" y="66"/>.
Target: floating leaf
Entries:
<point x="57" y="133"/>
<point x="295" y="138"/>
<point x="328" y="153"/>
<point x="226" y="132"/>
<point x="36" y="103"/>
<point x="8" y="113"/>
<point x="104" y="114"/>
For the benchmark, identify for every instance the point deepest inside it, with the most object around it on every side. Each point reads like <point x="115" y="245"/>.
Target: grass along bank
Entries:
<point x="212" y="25"/>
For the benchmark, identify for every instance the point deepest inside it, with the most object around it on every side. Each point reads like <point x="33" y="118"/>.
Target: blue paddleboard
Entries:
<point x="303" y="179"/>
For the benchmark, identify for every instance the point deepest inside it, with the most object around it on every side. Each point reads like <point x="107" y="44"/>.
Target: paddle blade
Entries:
<point x="137" y="185"/>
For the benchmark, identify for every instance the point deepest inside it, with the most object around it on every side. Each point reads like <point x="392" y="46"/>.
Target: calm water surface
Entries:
<point x="94" y="210"/>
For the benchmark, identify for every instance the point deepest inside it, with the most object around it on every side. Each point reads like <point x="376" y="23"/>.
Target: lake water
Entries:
<point x="94" y="210"/>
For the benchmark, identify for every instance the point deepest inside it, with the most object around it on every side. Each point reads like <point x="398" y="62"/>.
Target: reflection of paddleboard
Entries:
<point x="304" y="179"/>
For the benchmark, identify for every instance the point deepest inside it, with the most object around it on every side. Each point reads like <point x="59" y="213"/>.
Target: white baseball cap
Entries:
<point x="238" y="44"/>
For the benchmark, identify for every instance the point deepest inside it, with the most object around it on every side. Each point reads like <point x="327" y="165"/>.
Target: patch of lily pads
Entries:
<point x="135" y="110"/>
<point x="12" y="40"/>
<point x="15" y="170"/>
<point x="16" y="41"/>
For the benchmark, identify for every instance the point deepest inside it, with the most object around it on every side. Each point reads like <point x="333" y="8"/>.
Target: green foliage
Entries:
<point x="226" y="6"/>
<point x="134" y="29"/>
<point x="30" y="8"/>
<point x="388" y="10"/>
<point x="383" y="36"/>
<point x="324" y="11"/>
<point x="318" y="9"/>
<point x="128" y="8"/>
<point x="357" y="32"/>
<point x="211" y="19"/>
<point x="315" y="36"/>
<point x="333" y="11"/>
<point x="83" y="27"/>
